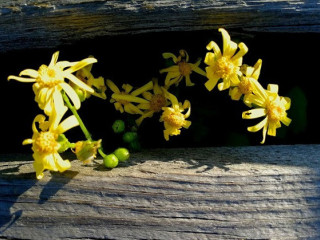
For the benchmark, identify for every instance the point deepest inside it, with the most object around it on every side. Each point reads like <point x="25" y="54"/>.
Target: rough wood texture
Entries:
<point x="42" y="23"/>
<point x="264" y="192"/>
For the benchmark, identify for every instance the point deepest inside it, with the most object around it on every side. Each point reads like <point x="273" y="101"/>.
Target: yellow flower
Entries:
<point x="44" y="142"/>
<point x="123" y="99"/>
<point x="245" y="86"/>
<point x="226" y="65"/>
<point x="49" y="81"/>
<point x="181" y="69"/>
<point x="156" y="102"/>
<point x="270" y="105"/>
<point x="173" y="117"/>
<point x="97" y="84"/>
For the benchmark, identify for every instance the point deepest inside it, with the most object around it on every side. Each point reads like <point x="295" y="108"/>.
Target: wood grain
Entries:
<point x="48" y="24"/>
<point x="262" y="192"/>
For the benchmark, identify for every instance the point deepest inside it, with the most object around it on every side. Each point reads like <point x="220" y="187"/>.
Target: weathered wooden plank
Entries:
<point x="261" y="192"/>
<point x="43" y="23"/>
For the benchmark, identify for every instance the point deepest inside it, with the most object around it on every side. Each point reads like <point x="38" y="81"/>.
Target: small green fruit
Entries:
<point x="118" y="126"/>
<point x="122" y="154"/>
<point x="129" y="137"/>
<point x="110" y="161"/>
<point x="135" y="145"/>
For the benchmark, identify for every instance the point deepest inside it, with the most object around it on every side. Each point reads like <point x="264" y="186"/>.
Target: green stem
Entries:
<point x="75" y="113"/>
<point x="81" y="124"/>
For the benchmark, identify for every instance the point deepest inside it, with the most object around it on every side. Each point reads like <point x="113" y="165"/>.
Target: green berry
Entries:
<point x="110" y="161"/>
<point x="122" y="154"/>
<point x="129" y="137"/>
<point x="118" y="126"/>
<point x="135" y="145"/>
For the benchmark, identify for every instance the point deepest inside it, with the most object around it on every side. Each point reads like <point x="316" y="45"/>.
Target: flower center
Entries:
<point x="184" y="68"/>
<point x="175" y="119"/>
<point x="157" y="102"/>
<point x="275" y="111"/>
<point x="49" y="77"/>
<point x="223" y="67"/>
<point x="245" y="86"/>
<point x="46" y="142"/>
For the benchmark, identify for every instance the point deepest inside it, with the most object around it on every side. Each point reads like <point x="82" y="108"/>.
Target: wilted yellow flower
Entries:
<point x="156" y="102"/>
<point x="270" y="105"/>
<point x="86" y="151"/>
<point x="97" y="84"/>
<point x="181" y="69"/>
<point x="245" y="86"/>
<point x="226" y="65"/>
<point x="44" y="142"/>
<point x="123" y="99"/>
<point x="173" y="117"/>
<point x="49" y="81"/>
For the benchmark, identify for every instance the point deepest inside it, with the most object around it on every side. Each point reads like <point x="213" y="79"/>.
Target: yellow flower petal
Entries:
<point x="27" y="141"/>
<point x="112" y="86"/>
<point x="142" y="89"/>
<point x="54" y="59"/>
<point x="229" y="47"/>
<point x="213" y="46"/>
<point x="128" y="98"/>
<point x="72" y="95"/>
<point x="143" y="116"/>
<point x="147" y="95"/>
<point x="212" y="82"/>
<point x="127" y="88"/>
<point x="258" y="126"/>
<point x="67" y="124"/>
<point x="274" y="88"/>
<point x="243" y="49"/>
<point x="254" y="113"/>
<point x="78" y="82"/>
<point x="21" y="79"/>
<point x="170" y="55"/>
<point x="29" y="72"/>
<point x="61" y="164"/>
<point x="81" y="64"/>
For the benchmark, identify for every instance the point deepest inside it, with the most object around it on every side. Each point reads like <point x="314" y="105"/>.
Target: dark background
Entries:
<point x="290" y="60"/>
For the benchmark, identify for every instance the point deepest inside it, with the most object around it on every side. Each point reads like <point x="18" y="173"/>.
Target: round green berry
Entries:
<point x="135" y="145"/>
<point x="122" y="154"/>
<point x="118" y="126"/>
<point x="129" y="137"/>
<point x="110" y="161"/>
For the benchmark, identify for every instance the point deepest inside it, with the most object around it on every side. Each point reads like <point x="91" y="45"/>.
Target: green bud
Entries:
<point x="110" y="161"/>
<point x="135" y="145"/>
<point x="82" y="94"/>
<point x="118" y="126"/>
<point x="129" y="137"/>
<point x="122" y="154"/>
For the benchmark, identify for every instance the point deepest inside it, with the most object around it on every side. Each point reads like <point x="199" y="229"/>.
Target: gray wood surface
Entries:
<point x="43" y="23"/>
<point x="259" y="192"/>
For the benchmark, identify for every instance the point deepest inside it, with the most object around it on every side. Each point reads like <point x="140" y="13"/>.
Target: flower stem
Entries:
<point x="75" y="113"/>
<point x="81" y="124"/>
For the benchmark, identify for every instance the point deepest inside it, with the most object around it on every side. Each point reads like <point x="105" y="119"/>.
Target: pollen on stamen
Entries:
<point x="275" y="111"/>
<point x="46" y="142"/>
<point x="157" y="102"/>
<point x="184" y="68"/>
<point x="245" y="86"/>
<point x="175" y="119"/>
<point x="223" y="67"/>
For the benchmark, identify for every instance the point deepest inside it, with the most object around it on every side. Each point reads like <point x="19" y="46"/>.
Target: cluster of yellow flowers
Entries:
<point x="224" y="68"/>
<point x="51" y="93"/>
